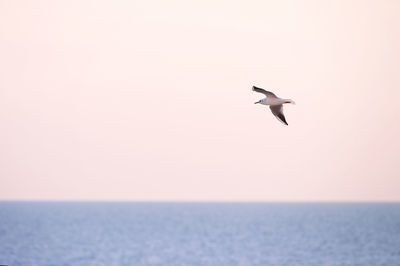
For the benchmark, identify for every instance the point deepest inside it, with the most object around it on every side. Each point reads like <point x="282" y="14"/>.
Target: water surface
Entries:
<point x="305" y="234"/>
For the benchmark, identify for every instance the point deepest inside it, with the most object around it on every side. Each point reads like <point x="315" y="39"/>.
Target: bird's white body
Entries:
<point x="274" y="101"/>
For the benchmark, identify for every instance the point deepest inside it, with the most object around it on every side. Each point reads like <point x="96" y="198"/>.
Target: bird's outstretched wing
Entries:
<point x="277" y="110"/>
<point x="267" y="93"/>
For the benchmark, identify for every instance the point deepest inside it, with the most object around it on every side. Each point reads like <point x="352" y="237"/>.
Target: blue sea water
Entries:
<point x="305" y="234"/>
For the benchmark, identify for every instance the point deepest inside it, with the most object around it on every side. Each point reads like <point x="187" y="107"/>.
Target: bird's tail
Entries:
<point x="290" y="101"/>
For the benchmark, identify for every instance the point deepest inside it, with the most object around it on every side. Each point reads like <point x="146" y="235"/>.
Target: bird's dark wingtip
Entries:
<point x="282" y="118"/>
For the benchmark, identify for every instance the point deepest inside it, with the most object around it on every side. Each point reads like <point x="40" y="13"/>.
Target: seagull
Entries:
<point x="274" y="102"/>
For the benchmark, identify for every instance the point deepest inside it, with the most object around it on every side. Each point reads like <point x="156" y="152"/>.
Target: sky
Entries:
<point x="152" y="101"/>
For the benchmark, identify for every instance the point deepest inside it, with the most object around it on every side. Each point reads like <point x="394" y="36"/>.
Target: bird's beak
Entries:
<point x="256" y="102"/>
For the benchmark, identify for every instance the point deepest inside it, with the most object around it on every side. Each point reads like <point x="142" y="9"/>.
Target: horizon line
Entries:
<point x="198" y="201"/>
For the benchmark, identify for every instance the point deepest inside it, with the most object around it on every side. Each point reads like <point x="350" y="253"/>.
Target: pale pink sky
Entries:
<point x="152" y="100"/>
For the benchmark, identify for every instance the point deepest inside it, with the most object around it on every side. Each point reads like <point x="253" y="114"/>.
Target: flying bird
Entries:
<point x="275" y="103"/>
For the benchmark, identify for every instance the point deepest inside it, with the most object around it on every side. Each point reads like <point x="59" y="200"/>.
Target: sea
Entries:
<point x="156" y="233"/>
